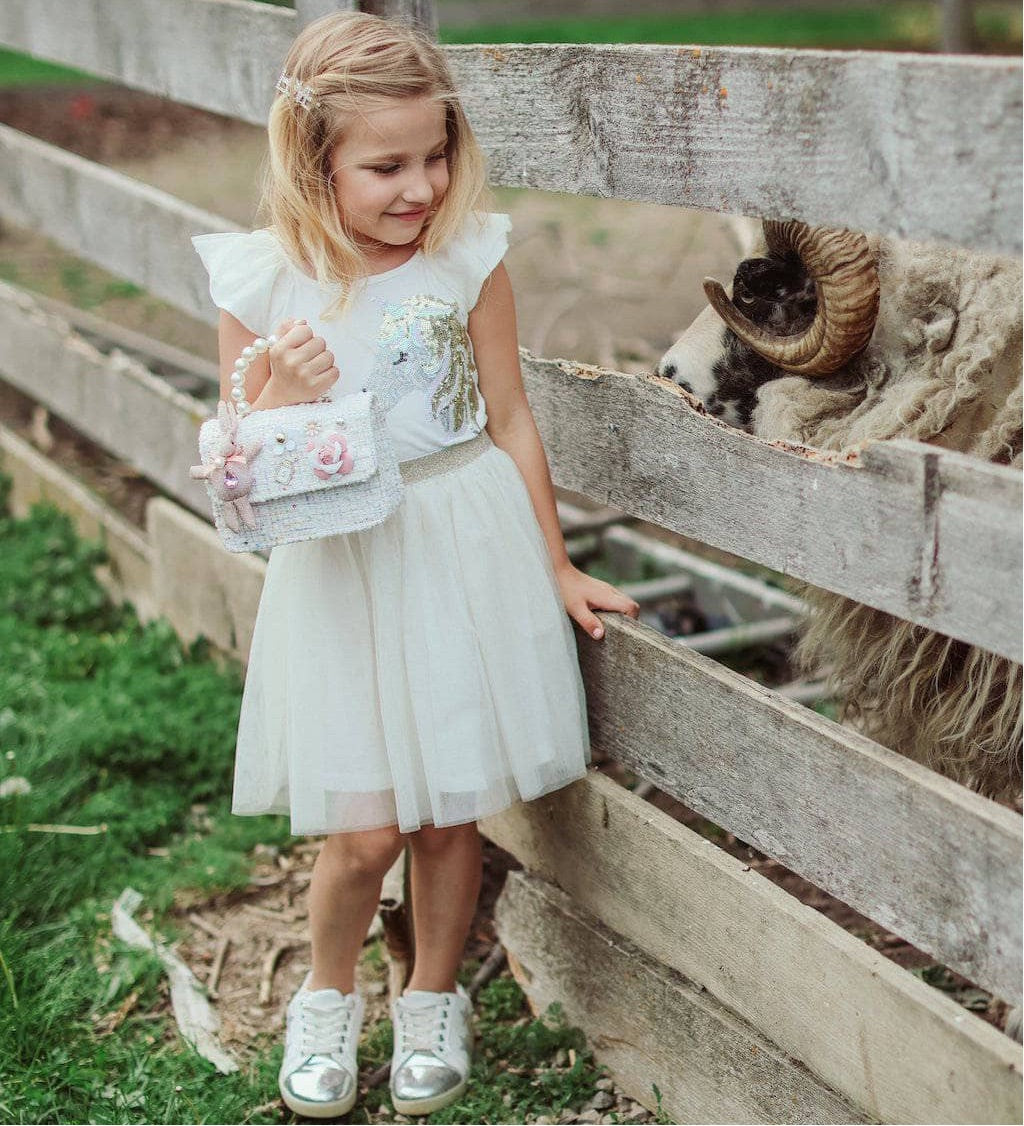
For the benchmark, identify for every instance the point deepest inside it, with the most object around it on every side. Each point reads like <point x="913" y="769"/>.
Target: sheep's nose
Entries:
<point x="667" y="371"/>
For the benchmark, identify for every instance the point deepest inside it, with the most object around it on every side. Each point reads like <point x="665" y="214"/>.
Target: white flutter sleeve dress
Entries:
<point x="423" y="671"/>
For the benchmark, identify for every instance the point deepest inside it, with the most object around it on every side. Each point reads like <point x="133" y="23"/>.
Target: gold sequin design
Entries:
<point x="423" y="344"/>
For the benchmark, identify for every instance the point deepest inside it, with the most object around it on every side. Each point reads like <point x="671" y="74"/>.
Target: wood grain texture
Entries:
<point x="113" y="400"/>
<point x="220" y="55"/>
<point x="919" y="854"/>
<point x="897" y="144"/>
<point x="893" y="1046"/>
<point x="929" y="535"/>
<point x="125" y="226"/>
<point x="876" y="141"/>
<point x="708" y="1065"/>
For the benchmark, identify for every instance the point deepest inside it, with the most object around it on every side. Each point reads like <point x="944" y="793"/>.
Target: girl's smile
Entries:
<point x="390" y="172"/>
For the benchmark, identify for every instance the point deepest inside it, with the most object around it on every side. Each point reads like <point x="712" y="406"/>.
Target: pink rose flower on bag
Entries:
<point x="329" y="456"/>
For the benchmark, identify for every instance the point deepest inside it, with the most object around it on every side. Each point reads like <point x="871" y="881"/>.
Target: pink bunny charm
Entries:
<point x="228" y="473"/>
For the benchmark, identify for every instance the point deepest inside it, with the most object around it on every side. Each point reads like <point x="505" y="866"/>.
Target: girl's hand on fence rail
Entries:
<point x="582" y="594"/>
<point x="301" y="367"/>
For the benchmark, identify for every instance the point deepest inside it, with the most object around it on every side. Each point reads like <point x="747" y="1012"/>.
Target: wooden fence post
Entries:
<point x="957" y="26"/>
<point x="419" y="12"/>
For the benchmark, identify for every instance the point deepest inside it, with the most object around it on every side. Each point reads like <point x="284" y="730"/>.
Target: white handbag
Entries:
<point x="298" y="472"/>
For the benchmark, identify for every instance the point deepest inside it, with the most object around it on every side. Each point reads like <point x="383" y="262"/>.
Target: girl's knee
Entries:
<point x="430" y="838"/>
<point x="369" y="851"/>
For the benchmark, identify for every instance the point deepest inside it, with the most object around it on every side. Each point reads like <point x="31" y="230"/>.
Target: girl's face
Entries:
<point x="391" y="171"/>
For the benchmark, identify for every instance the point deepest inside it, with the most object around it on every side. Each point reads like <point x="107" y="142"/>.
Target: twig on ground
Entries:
<point x="218" y="965"/>
<point x="375" y="1078"/>
<point x="266" y="913"/>
<point x="107" y="1024"/>
<point x="203" y="925"/>
<point x="488" y="969"/>
<point x="269" y="966"/>
<point x="263" y="1108"/>
<point x="268" y="881"/>
<point x="195" y="1017"/>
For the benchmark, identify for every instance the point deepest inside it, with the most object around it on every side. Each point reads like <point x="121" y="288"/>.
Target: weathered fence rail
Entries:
<point x="879" y="142"/>
<point x="775" y="1012"/>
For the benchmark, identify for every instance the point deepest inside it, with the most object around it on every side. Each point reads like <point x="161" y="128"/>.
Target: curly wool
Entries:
<point x="946" y="704"/>
<point x="943" y="366"/>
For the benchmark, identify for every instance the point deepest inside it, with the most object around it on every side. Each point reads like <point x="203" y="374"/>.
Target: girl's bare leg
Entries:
<point x="446" y="876"/>
<point x="343" y="896"/>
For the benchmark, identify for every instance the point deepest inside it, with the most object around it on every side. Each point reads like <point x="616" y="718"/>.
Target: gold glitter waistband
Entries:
<point x="444" y="460"/>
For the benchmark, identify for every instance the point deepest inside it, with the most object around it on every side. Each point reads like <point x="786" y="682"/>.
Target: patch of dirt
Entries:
<point x="269" y="922"/>
<point x="272" y="914"/>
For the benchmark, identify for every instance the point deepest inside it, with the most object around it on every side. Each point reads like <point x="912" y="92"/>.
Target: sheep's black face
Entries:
<point x="777" y="294"/>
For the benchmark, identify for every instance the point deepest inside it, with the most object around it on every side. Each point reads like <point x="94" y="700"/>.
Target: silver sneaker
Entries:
<point x="432" y="1048"/>
<point x="319" y="1074"/>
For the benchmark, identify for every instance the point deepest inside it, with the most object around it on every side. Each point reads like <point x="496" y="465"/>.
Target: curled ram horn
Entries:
<point x="845" y="276"/>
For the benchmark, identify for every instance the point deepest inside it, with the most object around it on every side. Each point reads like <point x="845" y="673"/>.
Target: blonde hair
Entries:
<point x="352" y="60"/>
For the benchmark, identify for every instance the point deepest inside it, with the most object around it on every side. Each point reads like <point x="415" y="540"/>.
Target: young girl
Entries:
<point x="407" y="680"/>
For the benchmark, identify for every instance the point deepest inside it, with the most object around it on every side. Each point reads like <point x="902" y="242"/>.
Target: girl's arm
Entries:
<point x="510" y="423"/>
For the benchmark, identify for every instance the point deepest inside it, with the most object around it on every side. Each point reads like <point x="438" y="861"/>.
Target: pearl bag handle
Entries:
<point x="249" y="353"/>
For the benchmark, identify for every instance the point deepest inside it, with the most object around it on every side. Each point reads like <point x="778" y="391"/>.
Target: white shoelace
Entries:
<point x="422" y="1029"/>
<point x="323" y="1031"/>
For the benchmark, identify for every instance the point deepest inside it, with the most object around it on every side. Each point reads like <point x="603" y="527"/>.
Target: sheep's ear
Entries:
<point x="222" y="414"/>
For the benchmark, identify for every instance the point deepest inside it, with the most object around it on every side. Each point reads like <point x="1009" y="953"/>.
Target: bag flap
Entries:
<point x="303" y="448"/>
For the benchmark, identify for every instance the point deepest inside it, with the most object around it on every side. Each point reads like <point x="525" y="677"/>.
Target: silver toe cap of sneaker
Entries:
<point x="422" y="1076"/>
<point x="320" y="1079"/>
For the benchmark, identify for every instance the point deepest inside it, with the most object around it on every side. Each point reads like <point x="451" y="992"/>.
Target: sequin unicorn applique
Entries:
<point x="423" y="344"/>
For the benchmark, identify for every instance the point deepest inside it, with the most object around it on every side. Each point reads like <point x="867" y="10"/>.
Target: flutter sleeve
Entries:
<point x="484" y="243"/>
<point x="249" y="275"/>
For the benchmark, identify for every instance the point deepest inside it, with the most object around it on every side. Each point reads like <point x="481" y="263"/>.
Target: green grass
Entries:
<point x="17" y="69"/>
<point x="902" y="26"/>
<point x="109" y="722"/>
<point x="88" y="287"/>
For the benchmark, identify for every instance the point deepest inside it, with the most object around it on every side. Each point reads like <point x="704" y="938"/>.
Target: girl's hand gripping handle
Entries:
<point x="301" y="367"/>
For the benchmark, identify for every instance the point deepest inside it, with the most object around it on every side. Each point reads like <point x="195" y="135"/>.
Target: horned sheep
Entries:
<point x="832" y="338"/>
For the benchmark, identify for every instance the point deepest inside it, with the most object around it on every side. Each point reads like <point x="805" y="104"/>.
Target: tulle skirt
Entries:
<point x="421" y="672"/>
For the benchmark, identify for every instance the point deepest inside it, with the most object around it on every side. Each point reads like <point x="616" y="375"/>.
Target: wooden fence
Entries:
<point x="685" y="968"/>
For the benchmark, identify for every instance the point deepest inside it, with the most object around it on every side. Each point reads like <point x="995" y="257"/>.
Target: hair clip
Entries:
<point x="300" y="93"/>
